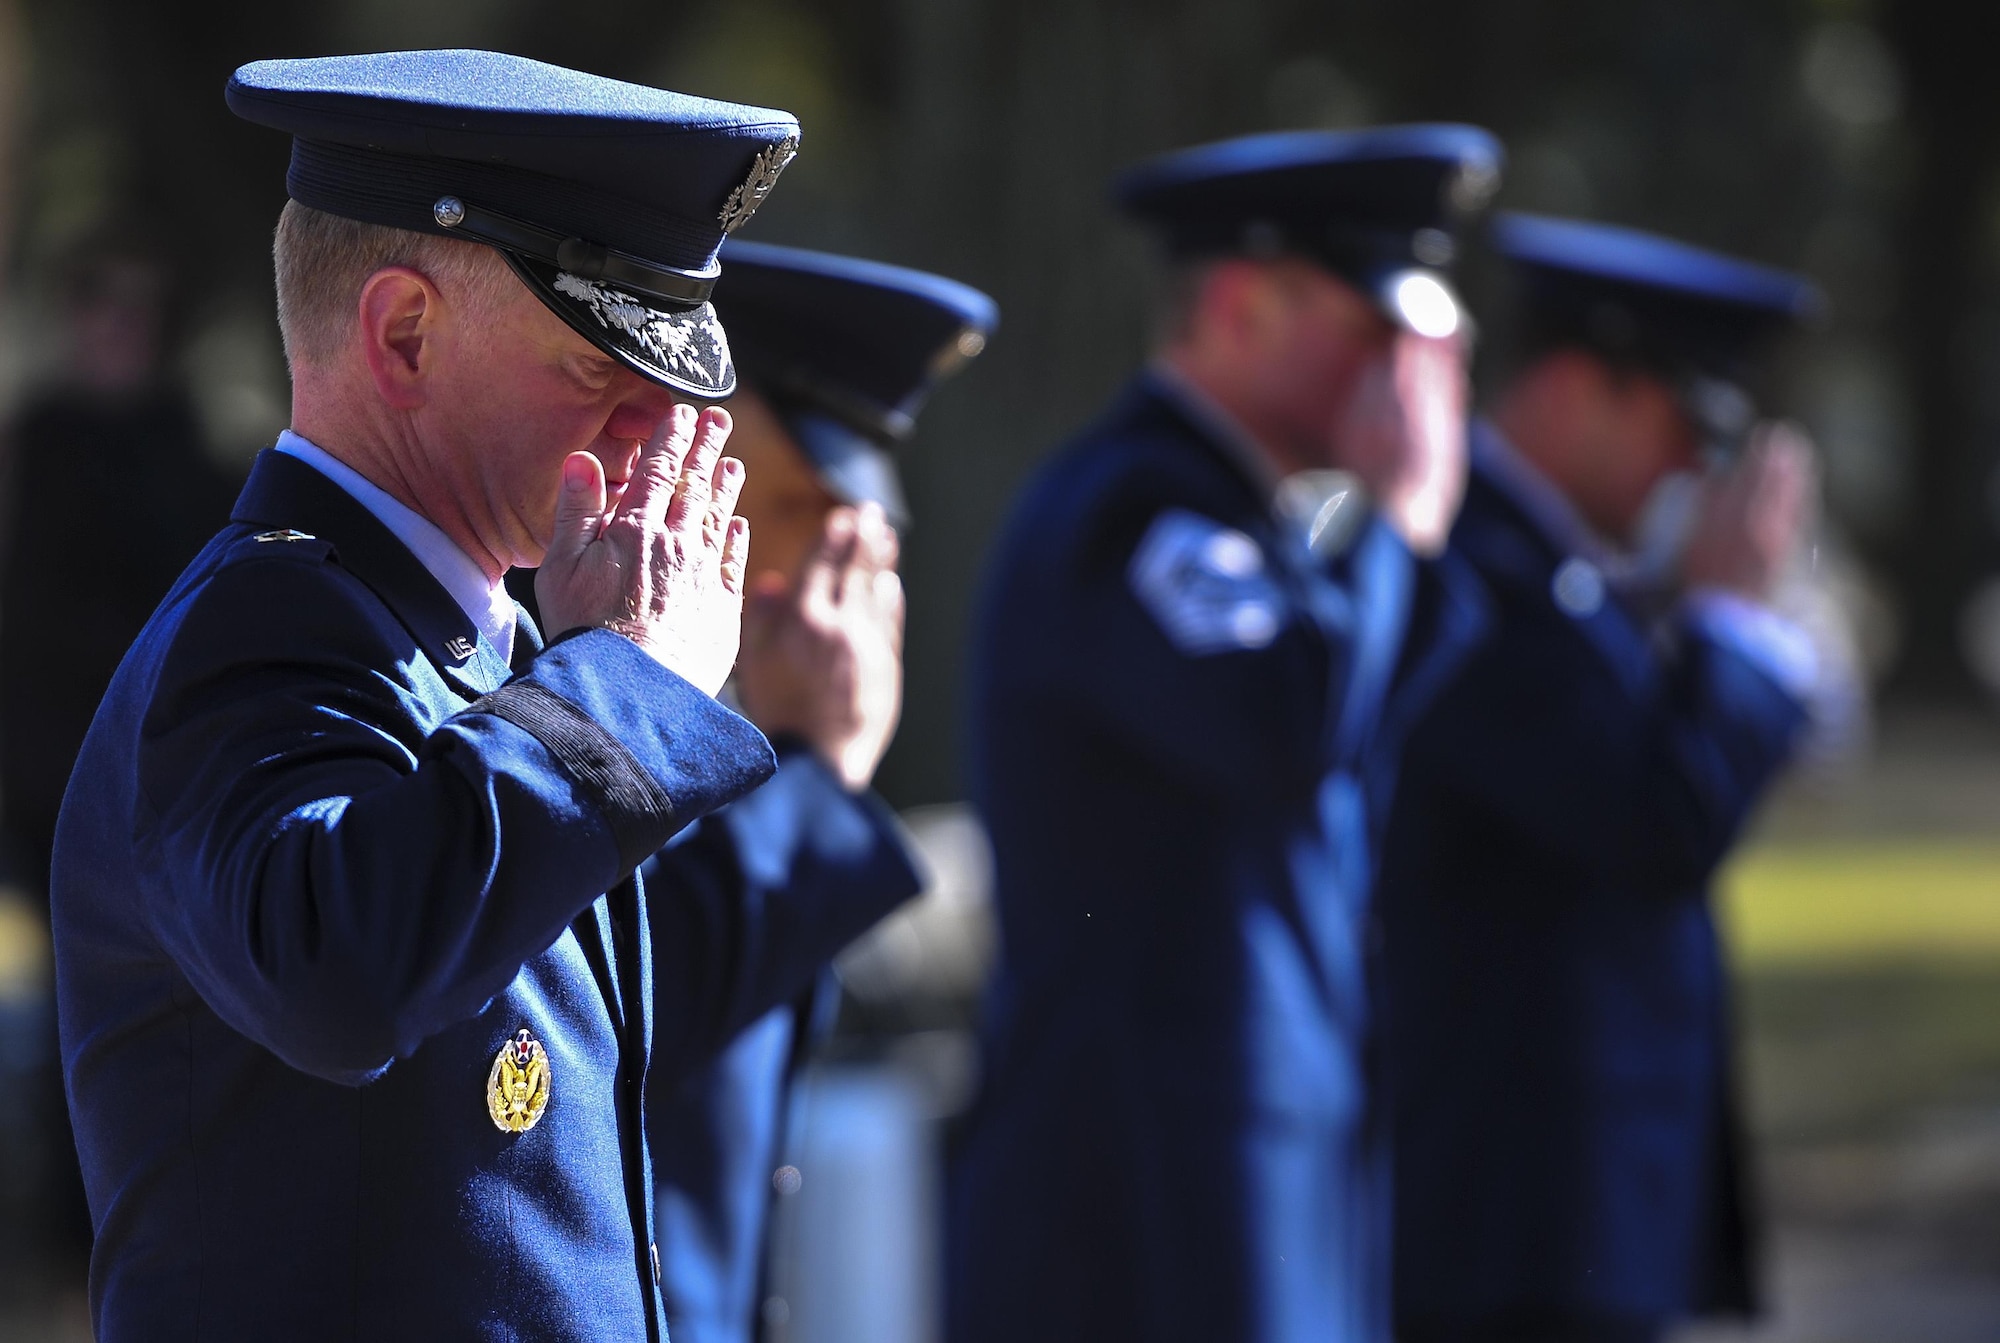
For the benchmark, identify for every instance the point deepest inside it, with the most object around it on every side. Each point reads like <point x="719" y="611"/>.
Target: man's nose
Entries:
<point x="642" y="407"/>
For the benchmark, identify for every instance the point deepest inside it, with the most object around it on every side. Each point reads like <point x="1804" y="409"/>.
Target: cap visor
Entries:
<point x="681" y="348"/>
<point x="853" y="468"/>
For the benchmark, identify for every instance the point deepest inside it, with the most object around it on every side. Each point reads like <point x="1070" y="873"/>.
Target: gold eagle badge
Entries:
<point x="517" y="1090"/>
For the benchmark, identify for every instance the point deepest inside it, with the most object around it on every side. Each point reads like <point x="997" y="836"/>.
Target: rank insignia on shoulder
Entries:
<point x="1206" y="585"/>
<point x="286" y="534"/>
<point x="459" y="647"/>
<point x="517" y="1090"/>
<point x="1578" y="588"/>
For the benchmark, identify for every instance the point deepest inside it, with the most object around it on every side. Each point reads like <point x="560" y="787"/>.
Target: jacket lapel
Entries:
<point x="284" y="492"/>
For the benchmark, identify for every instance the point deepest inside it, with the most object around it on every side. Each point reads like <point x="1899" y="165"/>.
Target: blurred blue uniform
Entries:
<point x="331" y="843"/>
<point x="1184" y="719"/>
<point x="1176" y="1137"/>
<point x="1567" y="1153"/>
<point x="846" y="352"/>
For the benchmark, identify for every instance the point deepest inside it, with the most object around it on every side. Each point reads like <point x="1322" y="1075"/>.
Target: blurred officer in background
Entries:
<point x="114" y="427"/>
<point x="357" y="986"/>
<point x="1567" y="1161"/>
<point x="835" y="357"/>
<point x="1179" y="710"/>
<point x="112" y="431"/>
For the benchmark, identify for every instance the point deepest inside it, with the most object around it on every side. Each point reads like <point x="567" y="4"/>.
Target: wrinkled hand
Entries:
<point x="823" y="657"/>
<point x="665" y="568"/>
<point x="1404" y="436"/>
<point x="1753" y="517"/>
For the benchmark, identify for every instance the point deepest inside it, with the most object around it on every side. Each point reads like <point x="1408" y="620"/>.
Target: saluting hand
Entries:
<point x="1404" y="436"/>
<point x="823" y="656"/>
<point x="1752" y="517"/>
<point x="665" y="568"/>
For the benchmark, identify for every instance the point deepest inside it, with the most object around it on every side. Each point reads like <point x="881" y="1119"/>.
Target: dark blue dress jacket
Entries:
<point x="1177" y="1136"/>
<point x="800" y="841"/>
<point x="1564" y="1137"/>
<point x="324" y="852"/>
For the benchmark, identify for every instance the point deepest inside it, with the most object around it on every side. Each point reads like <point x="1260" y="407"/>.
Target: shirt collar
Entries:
<point x="486" y="603"/>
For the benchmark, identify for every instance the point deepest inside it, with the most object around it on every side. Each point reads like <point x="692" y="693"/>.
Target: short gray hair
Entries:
<point x="323" y="260"/>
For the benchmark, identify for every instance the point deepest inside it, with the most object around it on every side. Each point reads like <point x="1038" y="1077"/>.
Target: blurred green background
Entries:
<point x="1857" y="141"/>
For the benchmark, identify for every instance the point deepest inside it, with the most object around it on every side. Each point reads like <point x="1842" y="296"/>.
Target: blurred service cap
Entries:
<point x="1384" y="208"/>
<point x="847" y="351"/>
<point x="1698" y="318"/>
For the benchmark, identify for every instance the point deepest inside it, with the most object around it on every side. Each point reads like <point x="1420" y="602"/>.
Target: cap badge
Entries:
<point x="744" y="200"/>
<point x="517" y="1090"/>
<point x="1471" y="186"/>
<point x="668" y="342"/>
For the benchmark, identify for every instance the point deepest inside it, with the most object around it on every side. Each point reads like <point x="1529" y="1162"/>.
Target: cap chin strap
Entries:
<point x="587" y="260"/>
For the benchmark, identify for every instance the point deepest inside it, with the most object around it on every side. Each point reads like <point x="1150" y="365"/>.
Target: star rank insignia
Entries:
<point x="517" y="1090"/>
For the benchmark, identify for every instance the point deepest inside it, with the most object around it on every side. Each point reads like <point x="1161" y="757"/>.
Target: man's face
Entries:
<point x="515" y="391"/>
<point x="783" y="498"/>
<point x="1319" y="343"/>
<point x="1639" y="434"/>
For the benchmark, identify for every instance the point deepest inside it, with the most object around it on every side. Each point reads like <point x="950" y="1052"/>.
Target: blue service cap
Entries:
<point x="1698" y="318"/>
<point x="609" y="200"/>
<point x="847" y="351"/>
<point x="1383" y="208"/>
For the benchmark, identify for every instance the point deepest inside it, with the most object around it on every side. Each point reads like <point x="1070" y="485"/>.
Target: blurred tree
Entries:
<point x="1949" y="246"/>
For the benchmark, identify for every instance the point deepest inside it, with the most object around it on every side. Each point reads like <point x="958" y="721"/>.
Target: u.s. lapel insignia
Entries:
<point x="517" y="1090"/>
<point x="744" y="200"/>
<point x="459" y="647"/>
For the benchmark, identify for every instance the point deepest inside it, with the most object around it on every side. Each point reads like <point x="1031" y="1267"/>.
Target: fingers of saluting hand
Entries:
<point x="579" y="509"/>
<point x="825" y="574"/>
<point x="735" y="555"/>
<point x="690" y="507"/>
<point x="727" y="487"/>
<point x="874" y="551"/>
<point x="888" y="594"/>
<point x="659" y="468"/>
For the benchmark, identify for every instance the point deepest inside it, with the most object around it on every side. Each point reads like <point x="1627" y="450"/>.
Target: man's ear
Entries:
<point x="397" y="314"/>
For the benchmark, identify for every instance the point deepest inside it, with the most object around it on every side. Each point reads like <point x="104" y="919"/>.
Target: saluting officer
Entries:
<point x="1180" y="717"/>
<point x="356" y="981"/>
<point x="1567" y="1163"/>
<point x="835" y="356"/>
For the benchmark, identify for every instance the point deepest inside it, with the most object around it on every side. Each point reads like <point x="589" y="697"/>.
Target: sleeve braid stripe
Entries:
<point x="636" y="803"/>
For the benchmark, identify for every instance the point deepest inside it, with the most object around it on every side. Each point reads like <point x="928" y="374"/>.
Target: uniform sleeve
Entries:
<point x="1642" y="784"/>
<point x="750" y="904"/>
<point x="337" y="882"/>
<point x="1171" y="633"/>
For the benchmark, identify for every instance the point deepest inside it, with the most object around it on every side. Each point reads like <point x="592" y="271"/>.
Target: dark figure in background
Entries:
<point x="1192" y="657"/>
<point x="1568" y="1165"/>
<point x="110" y="441"/>
<point x="114" y="441"/>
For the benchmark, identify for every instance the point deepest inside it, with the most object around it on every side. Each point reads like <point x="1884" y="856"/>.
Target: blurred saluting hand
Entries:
<point x="823" y="657"/>
<point x="1753" y="517"/>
